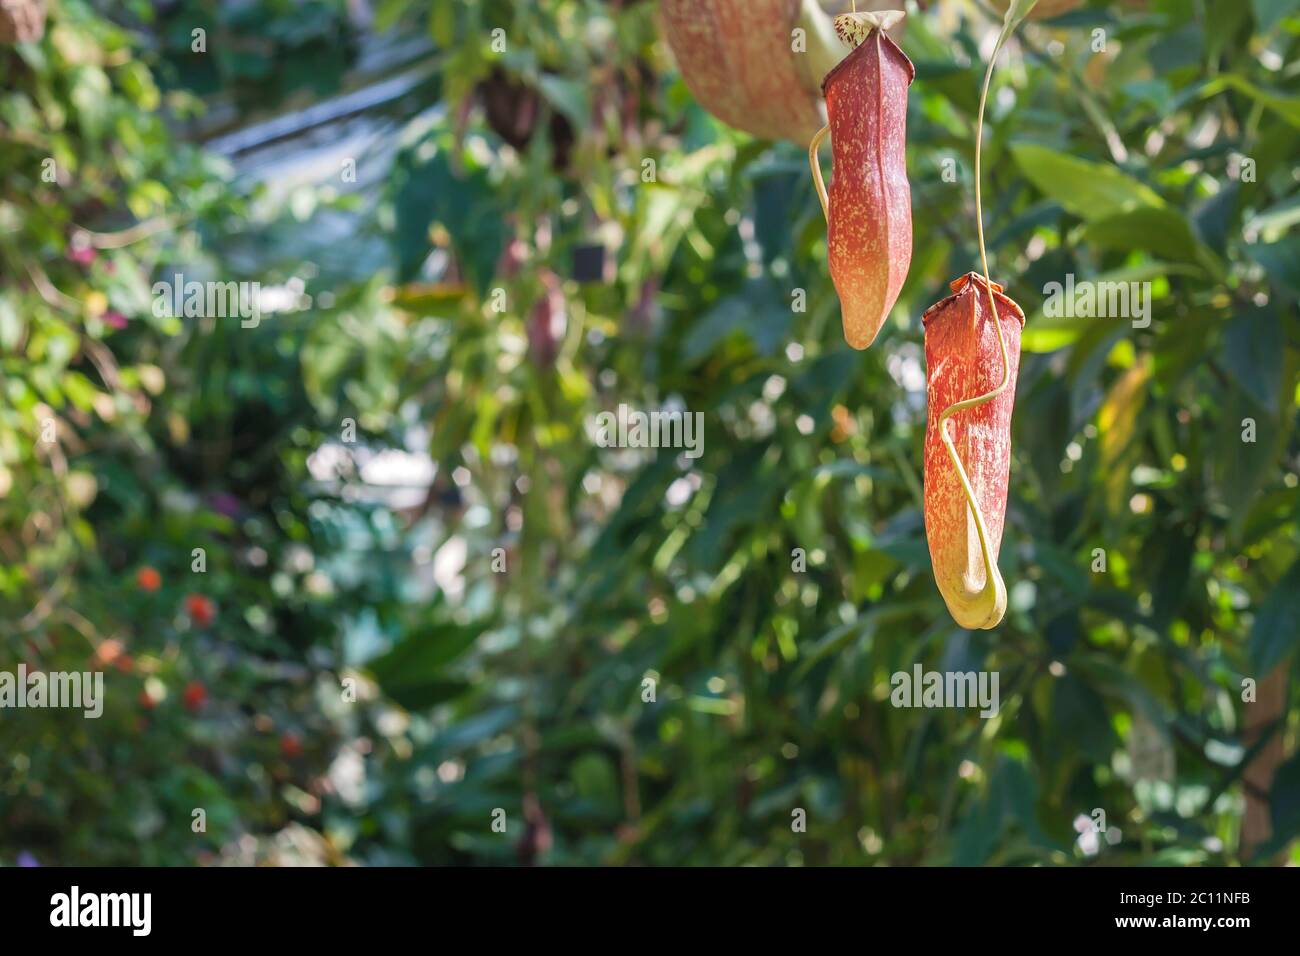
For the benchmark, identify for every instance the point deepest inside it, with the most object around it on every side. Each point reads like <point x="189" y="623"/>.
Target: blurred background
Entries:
<point x="362" y="586"/>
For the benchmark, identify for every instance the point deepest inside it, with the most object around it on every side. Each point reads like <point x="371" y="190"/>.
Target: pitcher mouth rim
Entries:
<point x="969" y="280"/>
<point x="911" y="68"/>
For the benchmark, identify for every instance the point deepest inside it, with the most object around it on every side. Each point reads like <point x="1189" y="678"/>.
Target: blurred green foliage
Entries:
<point x="479" y="342"/>
<point x="128" y="441"/>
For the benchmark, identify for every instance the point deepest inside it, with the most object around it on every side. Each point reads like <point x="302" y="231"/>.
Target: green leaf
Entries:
<point x="91" y="90"/>
<point x="1017" y="10"/>
<point x="1268" y="12"/>
<point x="595" y="780"/>
<point x="1045" y="333"/>
<point x="1254" y="345"/>
<point x="568" y="97"/>
<point x="1079" y="715"/>
<point x="473" y="730"/>
<point x="427" y="693"/>
<point x="758" y="312"/>
<point x="776" y="189"/>
<point x="1277" y="623"/>
<point x="442" y="21"/>
<point x="413" y="672"/>
<point x="823" y="382"/>
<point x="1287" y="107"/>
<point x="79" y="390"/>
<point x="1087" y="189"/>
<point x="1274" y="221"/>
<point x="1215" y="218"/>
<point x="428" y="190"/>
<point x="1240" y="467"/>
<point x="1281" y="260"/>
<point x="11" y="324"/>
<point x="1162" y="231"/>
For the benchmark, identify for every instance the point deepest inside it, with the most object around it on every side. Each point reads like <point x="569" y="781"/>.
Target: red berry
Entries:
<point x="107" y="652"/>
<point x="196" y="695"/>
<point x="290" y="745"/>
<point x="147" y="702"/>
<point x="200" y="609"/>
<point x="148" y="579"/>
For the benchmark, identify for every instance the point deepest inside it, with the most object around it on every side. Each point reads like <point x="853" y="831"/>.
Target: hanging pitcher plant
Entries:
<point x="972" y="337"/>
<point x="972" y="355"/>
<point x="869" y="208"/>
